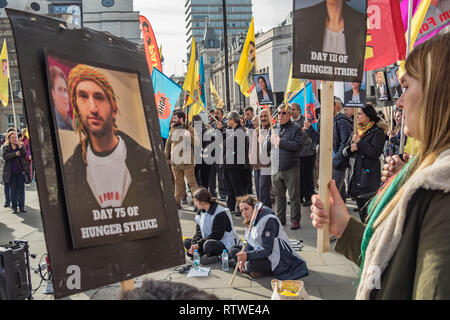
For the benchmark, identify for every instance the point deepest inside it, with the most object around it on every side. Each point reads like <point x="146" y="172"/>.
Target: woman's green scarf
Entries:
<point x="374" y="212"/>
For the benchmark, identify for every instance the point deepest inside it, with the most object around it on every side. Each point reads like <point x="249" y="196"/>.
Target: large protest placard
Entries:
<point x="106" y="156"/>
<point x="381" y="88"/>
<point x="263" y="89"/>
<point x="355" y="93"/>
<point x="395" y="86"/>
<point x="329" y="39"/>
<point x="88" y="108"/>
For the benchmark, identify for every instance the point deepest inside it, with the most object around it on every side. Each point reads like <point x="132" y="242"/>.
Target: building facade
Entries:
<point x="200" y="12"/>
<point x="114" y="16"/>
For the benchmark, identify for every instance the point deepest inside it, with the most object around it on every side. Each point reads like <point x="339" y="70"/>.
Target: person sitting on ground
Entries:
<point x="167" y="290"/>
<point x="268" y="250"/>
<point x="214" y="230"/>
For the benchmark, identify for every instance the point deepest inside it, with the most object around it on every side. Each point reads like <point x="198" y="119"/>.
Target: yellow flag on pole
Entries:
<point x="293" y="87"/>
<point x="189" y="81"/>
<point x="416" y="24"/>
<point x="4" y="75"/>
<point x="247" y="63"/>
<point x="215" y="96"/>
<point x="197" y="107"/>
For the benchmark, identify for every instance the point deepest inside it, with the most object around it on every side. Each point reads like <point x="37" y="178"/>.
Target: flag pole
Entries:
<point x="304" y="96"/>
<point x="12" y="102"/>
<point x="408" y="45"/>
<point x="325" y="163"/>
<point x="225" y="43"/>
<point x="195" y="100"/>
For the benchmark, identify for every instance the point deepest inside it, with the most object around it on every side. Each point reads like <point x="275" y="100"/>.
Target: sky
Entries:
<point x="168" y="22"/>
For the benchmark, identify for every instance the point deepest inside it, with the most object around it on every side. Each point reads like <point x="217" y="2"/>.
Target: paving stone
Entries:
<point x="333" y="258"/>
<point x="337" y="292"/>
<point x="313" y="292"/>
<point x="330" y="275"/>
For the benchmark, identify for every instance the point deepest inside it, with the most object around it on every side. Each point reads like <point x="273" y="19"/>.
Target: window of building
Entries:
<point x="22" y="123"/>
<point x="9" y="121"/>
<point x="212" y="59"/>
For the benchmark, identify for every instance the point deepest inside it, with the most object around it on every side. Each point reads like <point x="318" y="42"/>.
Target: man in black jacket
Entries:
<point x="285" y="144"/>
<point x="235" y="160"/>
<point x="342" y="131"/>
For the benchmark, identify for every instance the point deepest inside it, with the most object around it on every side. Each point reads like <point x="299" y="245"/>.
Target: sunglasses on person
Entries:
<point x="282" y="112"/>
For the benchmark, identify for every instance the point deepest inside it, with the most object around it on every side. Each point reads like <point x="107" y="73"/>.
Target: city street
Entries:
<point x="331" y="275"/>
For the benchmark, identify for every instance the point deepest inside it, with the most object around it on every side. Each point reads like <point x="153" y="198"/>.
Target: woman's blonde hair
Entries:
<point x="9" y="134"/>
<point x="429" y="64"/>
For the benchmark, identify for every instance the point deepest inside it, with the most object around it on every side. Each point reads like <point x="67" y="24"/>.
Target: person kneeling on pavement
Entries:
<point x="268" y="250"/>
<point x="214" y="230"/>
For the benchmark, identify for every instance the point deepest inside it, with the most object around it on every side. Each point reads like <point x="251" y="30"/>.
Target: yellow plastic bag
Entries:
<point x="289" y="290"/>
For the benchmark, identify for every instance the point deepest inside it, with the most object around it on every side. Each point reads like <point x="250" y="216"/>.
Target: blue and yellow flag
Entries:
<point x="308" y="104"/>
<point x="201" y="85"/>
<point x="167" y="93"/>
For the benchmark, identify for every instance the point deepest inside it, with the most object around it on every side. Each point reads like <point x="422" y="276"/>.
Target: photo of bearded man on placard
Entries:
<point x="109" y="176"/>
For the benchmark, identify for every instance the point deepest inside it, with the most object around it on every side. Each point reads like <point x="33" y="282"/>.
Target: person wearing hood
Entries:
<point x="235" y="160"/>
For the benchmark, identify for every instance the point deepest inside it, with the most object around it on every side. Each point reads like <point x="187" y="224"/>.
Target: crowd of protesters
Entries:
<point x="275" y="156"/>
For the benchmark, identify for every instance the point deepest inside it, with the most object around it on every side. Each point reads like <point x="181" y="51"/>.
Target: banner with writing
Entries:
<point x="151" y="47"/>
<point x="329" y="49"/>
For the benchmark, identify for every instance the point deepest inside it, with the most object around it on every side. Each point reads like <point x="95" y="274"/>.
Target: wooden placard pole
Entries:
<point x="325" y="169"/>
<point x="126" y="285"/>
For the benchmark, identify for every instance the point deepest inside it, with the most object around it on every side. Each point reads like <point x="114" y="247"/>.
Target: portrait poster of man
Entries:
<point x="380" y="85"/>
<point x="395" y="86"/>
<point x="263" y="89"/>
<point x="105" y="153"/>
<point x="329" y="39"/>
<point x="355" y="93"/>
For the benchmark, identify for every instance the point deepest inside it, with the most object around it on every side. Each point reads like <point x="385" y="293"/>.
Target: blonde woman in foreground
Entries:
<point x="404" y="250"/>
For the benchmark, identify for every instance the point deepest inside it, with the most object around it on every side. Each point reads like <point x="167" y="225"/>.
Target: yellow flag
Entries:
<point x="247" y="63"/>
<point x="4" y="75"/>
<point x="411" y="146"/>
<point x="293" y="87"/>
<point x="416" y="24"/>
<point x="218" y="101"/>
<point x="197" y="107"/>
<point x="189" y="81"/>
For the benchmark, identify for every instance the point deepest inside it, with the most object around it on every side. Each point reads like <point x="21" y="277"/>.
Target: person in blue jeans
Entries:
<point x="7" y="190"/>
<point x="14" y="153"/>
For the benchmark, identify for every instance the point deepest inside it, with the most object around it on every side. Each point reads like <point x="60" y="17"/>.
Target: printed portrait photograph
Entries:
<point x="381" y="88"/>
<point x="316" y="36"/>
<point x="355" y="93"/>
<point x="263" y="89"/>
<point x="395" y="85"/>
<point x="105" y="153"/>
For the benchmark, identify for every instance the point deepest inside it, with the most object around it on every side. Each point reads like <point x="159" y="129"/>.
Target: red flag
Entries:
<point x="151" y="47"/>
<point x="385" y="40"/>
